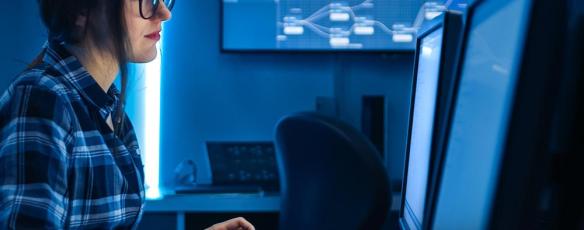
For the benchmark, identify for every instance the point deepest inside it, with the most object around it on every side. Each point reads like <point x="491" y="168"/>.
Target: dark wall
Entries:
<point x="209" y="95"/>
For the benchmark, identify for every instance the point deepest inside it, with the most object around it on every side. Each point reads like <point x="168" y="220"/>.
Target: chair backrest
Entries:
<point x="331" y="176"/>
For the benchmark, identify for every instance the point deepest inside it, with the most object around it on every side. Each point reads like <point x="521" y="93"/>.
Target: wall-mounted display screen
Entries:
<point x="323" y="25"/>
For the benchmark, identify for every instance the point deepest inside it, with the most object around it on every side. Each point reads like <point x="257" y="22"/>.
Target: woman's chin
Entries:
<point x="144" y="58"/>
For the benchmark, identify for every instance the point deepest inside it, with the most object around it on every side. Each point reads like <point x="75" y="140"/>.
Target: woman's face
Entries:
<point x="144" y="33"/>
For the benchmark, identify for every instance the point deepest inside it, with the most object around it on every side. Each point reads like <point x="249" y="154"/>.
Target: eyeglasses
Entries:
<point x="148" y="7"/>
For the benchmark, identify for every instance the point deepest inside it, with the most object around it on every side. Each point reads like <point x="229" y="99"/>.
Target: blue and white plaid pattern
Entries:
<point x="61" y="166"/>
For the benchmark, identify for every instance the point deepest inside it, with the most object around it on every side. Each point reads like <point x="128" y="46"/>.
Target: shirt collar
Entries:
<point x="59" y="58"/>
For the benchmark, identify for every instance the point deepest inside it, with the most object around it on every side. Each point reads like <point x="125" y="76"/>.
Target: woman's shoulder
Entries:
<point x="36" y="95"/>
<point x="40" y="90"/>
<point x="40" y="78"/>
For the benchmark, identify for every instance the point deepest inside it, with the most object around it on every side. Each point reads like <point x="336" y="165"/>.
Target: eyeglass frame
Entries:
<point x="155" y="7"/>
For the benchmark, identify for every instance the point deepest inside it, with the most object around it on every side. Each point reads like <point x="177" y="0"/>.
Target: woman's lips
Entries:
<point x="154" y="36"/>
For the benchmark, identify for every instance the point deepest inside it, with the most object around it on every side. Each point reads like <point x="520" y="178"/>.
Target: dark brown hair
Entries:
<point x="105" y="24"/>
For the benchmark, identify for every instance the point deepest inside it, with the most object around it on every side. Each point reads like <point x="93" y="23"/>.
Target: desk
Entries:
<point x="210" y="206"/>
<point x="215" y="203"/>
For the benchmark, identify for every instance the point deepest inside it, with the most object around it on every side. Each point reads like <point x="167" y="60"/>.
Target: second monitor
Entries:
<point x="432" y="92"/>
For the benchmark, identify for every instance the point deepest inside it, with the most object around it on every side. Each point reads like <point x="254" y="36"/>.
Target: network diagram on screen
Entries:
<point x="325" y="24"/>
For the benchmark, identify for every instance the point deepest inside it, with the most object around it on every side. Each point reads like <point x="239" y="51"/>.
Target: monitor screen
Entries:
<point x="244" y="163"/>
<point x="323" y="25"/>
<point x="490" y="60"/>
<point x="422" y="123"/>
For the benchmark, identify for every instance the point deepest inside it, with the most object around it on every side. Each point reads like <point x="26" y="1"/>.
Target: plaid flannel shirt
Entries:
<point x="61" y="166"/>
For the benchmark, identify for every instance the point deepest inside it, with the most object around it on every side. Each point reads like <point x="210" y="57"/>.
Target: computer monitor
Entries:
<point x="432" y="86"/>
<point x="244" y="163"/>
<point x="499" y="158"/>
<point x="422" y="115"/>
<point x="323" y="25"/>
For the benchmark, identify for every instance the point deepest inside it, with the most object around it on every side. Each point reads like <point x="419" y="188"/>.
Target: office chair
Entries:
<point x="331" y="176"/>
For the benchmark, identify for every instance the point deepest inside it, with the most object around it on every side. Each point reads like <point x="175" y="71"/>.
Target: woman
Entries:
<point x="68" y="153"/>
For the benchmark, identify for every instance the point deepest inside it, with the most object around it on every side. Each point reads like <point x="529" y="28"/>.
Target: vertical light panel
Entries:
<point x="152" y="124"/>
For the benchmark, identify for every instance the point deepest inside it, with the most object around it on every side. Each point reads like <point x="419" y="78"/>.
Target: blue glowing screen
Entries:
<point x="324" y="24"/>
<point x="426" y="90"/>
<point x="484" y="100"/>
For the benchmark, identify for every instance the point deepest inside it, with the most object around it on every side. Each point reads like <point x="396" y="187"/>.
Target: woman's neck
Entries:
<point x="102" y="66"/>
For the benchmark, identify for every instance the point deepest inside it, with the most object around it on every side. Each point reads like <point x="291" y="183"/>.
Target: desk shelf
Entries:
<point x="196" y="211"/>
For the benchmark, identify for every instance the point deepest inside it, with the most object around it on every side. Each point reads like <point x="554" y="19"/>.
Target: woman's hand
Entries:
<point x="234" y="224"/>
